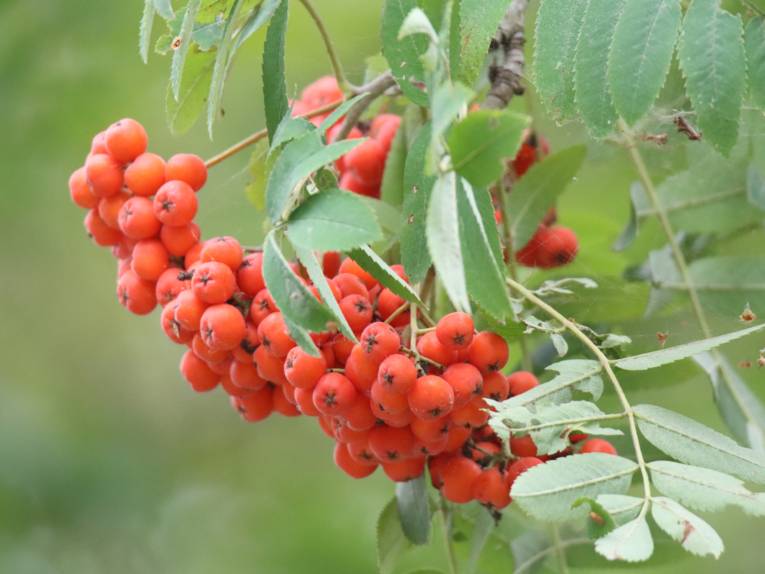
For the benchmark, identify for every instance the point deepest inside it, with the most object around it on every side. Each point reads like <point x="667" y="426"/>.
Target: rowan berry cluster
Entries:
<point x="552" y="245"/>
<point x="361" y="169"/>
<point x="399" y="403"/>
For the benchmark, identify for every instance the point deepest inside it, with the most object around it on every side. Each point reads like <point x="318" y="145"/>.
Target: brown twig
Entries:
<point x="506" y="70"/>
<point x="373" y="90"/>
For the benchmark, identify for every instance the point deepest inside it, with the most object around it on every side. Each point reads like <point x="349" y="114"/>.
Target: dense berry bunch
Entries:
<point x="399" y="403"/>
<point x="552" y="245"/>
<point x="361" y="170"/>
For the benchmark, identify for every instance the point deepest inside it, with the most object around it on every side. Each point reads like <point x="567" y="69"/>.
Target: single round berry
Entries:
<point x="350" y="284"/>
<point x="431" y="430"/>
<point x="208" y="355"/>
<point x="367" y="162"/>
<point x="101" y="233"/>
<point x="196" y="372"/>
<point x="597" y="445"/>
<point x="334" y="394"/>
<point x="496" y="386"/>
<point x="320" y="92"/>
<point x="391" y="444"/>
<point x="80" y="190"/>
<point x="145" y="175"/>
<point x="189" y="309"/>
<point x="303" y="370"/>
<point x="269" y="367"/>
<point x="521" y="381"/>
<point x="137" y="219"/>
<point x="473" y="415"/>
<point x="404" y="470"/>
<point x="523" y="446"/>
<point x="179" y="240"/>
<point x="255" y="406"/>
<point x="170" y="284"/>
<point x="488" y="352"/>
<point x="350" y="182"/>
<point x="455" y="331"/>
<point x="175" y="204"/>
<point x="351" y="466"/>
<point x="431" y="348"/>
<point x="357" y="310"/>
<point x="126" y="140"/>
<point x="559" y="247"/>
<point x="109" y="208"/>
<point x="135" y="294"/>
<point x="223" y="249"/>
<point x="275" y="336"/>
<point x="379" y="340"/>
<point x="350" y="266"/>
<point x="459" y="477"/>
<point x="249" y="276"/>
<point x="173" y="329"/>
<point x="150" y="259"/>
<point x="466" y="382"/>
<point x="490" y="488"/>
<point x="431" y="397"/>
<point x="213" y="282"/>
<point x="188" y="168"/>
<point x="104" y="175"/>
<point x="387" y="401"/>
<point x="519" y="466"/>
<point x="397" y="373"/>
<point x="222" y="327"/>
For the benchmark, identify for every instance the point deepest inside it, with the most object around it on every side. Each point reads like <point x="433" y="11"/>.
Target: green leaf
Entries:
<point x="197" y="74"/>
<point x="740" y="408"/>
<point x="478" y="23"/>
<point x="704" y="489"/>
<point x="449" y="100"/>
<point x="380" y="270"/>
<point x="547" y="491"/>
<point x="755" y="188"/>
<point x="339" y="112"/>
<point x="679" y="352"/>
<point x="593" y="95"/>
<point x="538" y="189"/>
<point x="258" y="17"/>
<point x="621" y="508"/>
<point x="559" y="24"/>
<point x="484" y="277"/>
<point x="695" y="535"/>
<point x="481" y="142"/>
<point x="333" y="220"/>
<point x="144" y="31"/>
<point x="222" y="60"/>
<point x="552" y="424"/>
<point x="289" y="129"/>
<point x="316" y="274"/>
<point x="302" y="337"/>
<point x="599" y="522"/>
<point x="755" y="58"/>
<point x="298" y="160"/>
<point x="641" y="54"/>
<point x="164" y="8"/>
<point x="274" y="84"/>
<point x="403" y="55"/>
<point x="573" y="374"/>
<point x="693" y="443"/>
<point x="631" y="542"/>
<point x="182" y="50"/>
<point x="417" y="191"/>
<point x="414" y="509"/>
<point x="713" y="62"/>
<point x="630" y="231"/>
<point x="392" y="186"/>
<point x="391" y="541"/>
<point x="293" y="298"/>
<point x="443" y="237"/>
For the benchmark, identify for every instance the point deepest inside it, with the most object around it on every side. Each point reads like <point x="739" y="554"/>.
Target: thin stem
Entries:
<point x="681" y="263"/>
<point x="542" y="554"/>
<point x="512" y="268"/>
<point x="753" y="7"/>
<point x="574" y="329"/>
<point x="446" y="514"/>
<point x="327" y="39"/>
<point x="560" y="551"/>
<point x="397" y="312"/>
<point x="260" y="134"/>
<point x="373" y="90"/>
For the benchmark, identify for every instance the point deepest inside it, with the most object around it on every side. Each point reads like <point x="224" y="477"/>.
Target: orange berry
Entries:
<point x="245" y="375"/>
<point x="519" y="466"/>
<point x="262" y="306"/>
<point x="388" y="401"/>
<point x="350" y="266"/>
<point x="495" y="386"/>
<point x="303" y="370"/>
<point x="430" y="347"/>
<point x="597" y="445"/>
<point x="99" y="232"/>
<point x="173" y="329"/>
<point x="431" y="397"/>
<point x="189" y="309"/>
<point x="520" y="382"/>
<point x="249" y="275"/>
<point x="223" y="249"/>
<point x="391" y="444"/>
<point x="188" y="168"/>
<point x="357" y="310"/>
<point x="222" y="327"/>
<point x="255" y="406"/>
<point x="126" y="140"/>
<point x="104" y="175"/>
<point x="80" y="191"/>
<point x="379" y="340"/>
<point x="179" y="240"/>
<point x="150" y="259"/>
<point x="175" y="204"/>
<point x="490" y="488"/>
<point x="208" y="355"/>
<point x="397" y="373"/>
<point x="146" y="174"/>
<point x="109" y="208"/>
<point x="359" y="416"/>
<point x="466" y="382"/>
<point x="457" y="435"/>
<point x="350" y="284"/>
<point x="459" y="477"/>
<point x="197" y="373"/>
<point x="488" y="352"/>
<point x="98" y="143"/>
<point x="472" y="415"/>
<point x="135" y="294"/>
<point x="334" y="394"/>
<point x="213" y="282"/>
<point x="404" y="470"/>
<point x="269" y="367"/>
<point x="431" y="430"/>
<point x="275" y="336"/>
<point x="455" y="331"/>
<point x="137" y="219"/>
<point x="523" y="446"/>
<point x="304" y="400"/>
<point x="170" y="284"/>
<point x="351" y="466"/>
<point x="283" y="405"/>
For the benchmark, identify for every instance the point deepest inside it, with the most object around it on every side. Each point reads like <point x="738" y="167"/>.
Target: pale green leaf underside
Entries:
<point x="693" y="533"/>
<point x="631" y="542"/>
<point x="755" y="60"/>
<point x="380" y="270"/>
<point x="144" y="30"/>
<point x="548" y="491"/>
<point x="693" y="443"/>
<point x="414" y="509"/>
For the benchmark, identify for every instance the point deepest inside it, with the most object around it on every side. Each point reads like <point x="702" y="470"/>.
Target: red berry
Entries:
<point x="255" y="406"/>
<point x="135" y="294"/>
<point x="473" y="415"/>
<point x="334" y="394"/>
<point x="397" y="373"/>
<point x="357" y="310"/>
<point x="269" y="367"/>
<point x="431" y="397"/>
<point x="173" y="329"/>
<point x="262" y="306"/>
<point x="150" y="259"/>
<point x="197" y="373"/>
<point x="250" y="274"/>
<point x="104" y="175"/>
<point x="496" y="386"/>
<point x="367" y="162"/>
<point x="222" y="327"/>
<point x="137" y="219"/>
<point x="404" y="470"/>
<point x="455" y="331"/>
<point x="146" y="174"/>
<point x="597" y="445"/>
<point x="213" y="282"/>
<point x="391" y="444"/>
<point x="361" y="369"/>
<point x="466" y="382"/>
<point x="431" y="430"/>
<point x="379" y="340"/>
<point x="350" y="182"/>
<point x="351" y="466"/>
<point x="320" y="92"/>
<point x="101" y="233"/>
<point x="523" y="446"/>
<point x="521" y="381"/>
<point x="303" y="370"/>
<point x="519" y="466"/>
<point x="224" y="250"/>
<point x="188" y="168"/>
<point x="559" y="247"/>
<point x="175" y="204"/>
<point x="430" y="347"/>
<point x="109" y="208"/>
<point x="459" y="477"/>
<point x="179" y="240"/>
<point x="126" y="140"/>
<point x="80" y="191"/>
<point x="245" y="376"/>
<point x="488" y="352"/>
<point x="170" y="284"/>
<point x="350" y="266"/>
<point x="491" y="488"/>
<point x="350" y="284"/>
<point x="388" y="401"/>
<point x="189" y="309"/>
<point x="275" y="336"/>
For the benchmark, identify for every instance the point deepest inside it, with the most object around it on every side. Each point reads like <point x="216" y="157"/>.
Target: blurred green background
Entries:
<point x="108" y="461"/>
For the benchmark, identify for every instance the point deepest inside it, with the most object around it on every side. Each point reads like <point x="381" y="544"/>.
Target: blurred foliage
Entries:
<point x="109" y="462"/>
